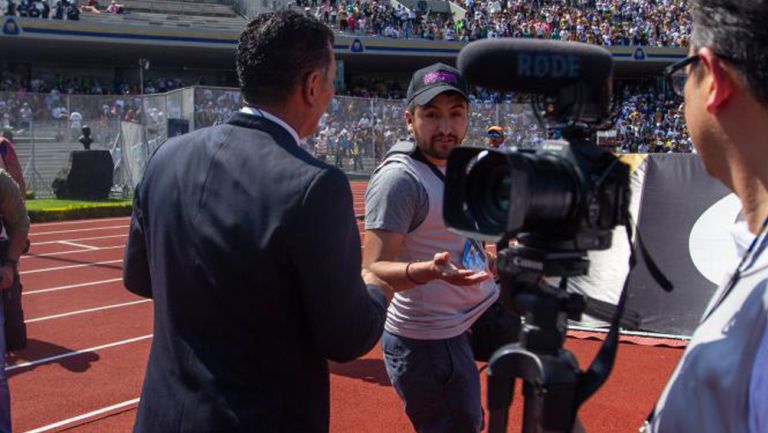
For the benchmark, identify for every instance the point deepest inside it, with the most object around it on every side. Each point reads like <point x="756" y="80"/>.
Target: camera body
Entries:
<point x="565" y="196"/>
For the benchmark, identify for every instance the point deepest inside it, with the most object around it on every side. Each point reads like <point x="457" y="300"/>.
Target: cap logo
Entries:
<point x="440" y="77"/>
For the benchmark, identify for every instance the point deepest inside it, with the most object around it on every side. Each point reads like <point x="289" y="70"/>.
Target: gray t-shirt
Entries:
<point x="395" y="200"/>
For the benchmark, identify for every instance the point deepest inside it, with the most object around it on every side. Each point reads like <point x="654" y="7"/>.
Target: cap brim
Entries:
<point x="424" y="97"/>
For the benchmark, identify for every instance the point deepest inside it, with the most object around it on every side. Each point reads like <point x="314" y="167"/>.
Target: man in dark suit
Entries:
<point x="250" y="250"/>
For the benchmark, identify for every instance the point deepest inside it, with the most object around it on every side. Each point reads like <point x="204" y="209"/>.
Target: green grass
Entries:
<point x="53" y="204"/>
<point x="43" y="210"/>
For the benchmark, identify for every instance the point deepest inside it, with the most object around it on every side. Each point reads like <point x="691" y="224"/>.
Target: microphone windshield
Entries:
<point x="534" y="65"/>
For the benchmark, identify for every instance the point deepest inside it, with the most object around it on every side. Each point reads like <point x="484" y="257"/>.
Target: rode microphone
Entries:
<point x="577" y="76"/>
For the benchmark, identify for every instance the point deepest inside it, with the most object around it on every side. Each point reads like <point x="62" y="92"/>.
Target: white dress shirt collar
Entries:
<point x="269" y="116"/>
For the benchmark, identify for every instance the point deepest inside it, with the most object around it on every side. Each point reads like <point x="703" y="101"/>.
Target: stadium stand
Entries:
<point x="201" y="14"/>
<point x="190" y="41"/>
<point x="207" y="8"/>
<point x="232" y="23"/>
<point x="662" y="23"/>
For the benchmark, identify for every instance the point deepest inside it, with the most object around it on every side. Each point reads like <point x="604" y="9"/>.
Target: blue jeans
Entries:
<point x="437" y="380"/>
<point x="5" y="395"/>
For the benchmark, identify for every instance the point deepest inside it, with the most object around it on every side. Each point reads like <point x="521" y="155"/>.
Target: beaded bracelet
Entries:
<point x="408" y="274"/>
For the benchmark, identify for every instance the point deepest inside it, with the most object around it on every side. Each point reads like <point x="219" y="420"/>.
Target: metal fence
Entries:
<point x="354" y="133"/>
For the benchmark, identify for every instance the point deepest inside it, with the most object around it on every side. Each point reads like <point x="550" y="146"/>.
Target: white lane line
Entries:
<point x="75" y="353"/>
<point x="71" y="286"/>
<point x="75" y="244"/>
<point x="89" y="310"/>
<point x="95" y="238"/>
<point x="61" y="268"/>
<point x="88" y="221"/>
<point x="90" y="229"/>
<point x="85" y="416"/>
<point x="61" y="253"/>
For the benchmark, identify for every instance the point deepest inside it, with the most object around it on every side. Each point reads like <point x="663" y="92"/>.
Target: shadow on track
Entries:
<point x="38" y="350"/>
<point x="367" y="370"/>
<point x="79" y="262"/>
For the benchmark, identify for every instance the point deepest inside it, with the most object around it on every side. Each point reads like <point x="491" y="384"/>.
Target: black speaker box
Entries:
<point x="87" y="176"/>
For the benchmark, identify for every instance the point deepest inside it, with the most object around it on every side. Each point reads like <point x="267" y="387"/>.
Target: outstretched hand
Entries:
<point x="449" y="272"/>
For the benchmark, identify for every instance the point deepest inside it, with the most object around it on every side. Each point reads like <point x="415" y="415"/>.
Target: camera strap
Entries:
<point x="595" y="376"/>
<point x="418" y="156"/>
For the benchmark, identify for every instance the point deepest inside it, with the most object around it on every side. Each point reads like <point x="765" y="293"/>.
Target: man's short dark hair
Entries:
<point x="737" y="31"/>
<point x="277" y="51"/>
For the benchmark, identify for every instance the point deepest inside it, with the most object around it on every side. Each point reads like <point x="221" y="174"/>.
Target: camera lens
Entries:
<point x="546" y="197"/>
<point x="500" y="193"/>
<point x="488" y="187"/>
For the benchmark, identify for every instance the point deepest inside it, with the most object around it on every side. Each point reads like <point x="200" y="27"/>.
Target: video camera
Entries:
<point x="558" y="202"/>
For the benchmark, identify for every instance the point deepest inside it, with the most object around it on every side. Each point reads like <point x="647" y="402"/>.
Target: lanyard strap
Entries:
<point x="743" y="264"/>
<point x="419" y="156"/>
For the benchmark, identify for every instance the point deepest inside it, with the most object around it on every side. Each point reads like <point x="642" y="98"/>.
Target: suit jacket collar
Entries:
<point x="278" y="132"/>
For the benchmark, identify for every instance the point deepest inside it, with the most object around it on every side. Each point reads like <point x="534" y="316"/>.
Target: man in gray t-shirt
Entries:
<point x="426" y="347"/>
<point x="400" y="202"/>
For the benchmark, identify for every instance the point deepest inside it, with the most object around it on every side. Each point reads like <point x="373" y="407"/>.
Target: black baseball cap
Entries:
<point x="433" y="80"/>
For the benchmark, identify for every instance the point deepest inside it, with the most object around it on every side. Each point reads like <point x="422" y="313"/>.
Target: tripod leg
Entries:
<point x="547" y="409"/>
<point x="500" y="393"/>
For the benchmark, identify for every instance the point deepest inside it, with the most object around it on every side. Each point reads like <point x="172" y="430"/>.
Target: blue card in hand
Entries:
<point x="474" y="256"/>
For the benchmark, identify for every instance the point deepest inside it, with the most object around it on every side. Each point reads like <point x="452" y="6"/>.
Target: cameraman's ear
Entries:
<point x="720" y="83"/>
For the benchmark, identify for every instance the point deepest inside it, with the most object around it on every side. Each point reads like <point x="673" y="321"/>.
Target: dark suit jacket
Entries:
<point x="250" y="250"/>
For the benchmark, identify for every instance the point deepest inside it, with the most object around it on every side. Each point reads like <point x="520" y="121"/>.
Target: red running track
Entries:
<point x="90" y="338"/>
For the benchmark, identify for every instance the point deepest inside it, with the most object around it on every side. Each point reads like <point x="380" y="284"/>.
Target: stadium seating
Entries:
<point x="191" y="14"/>
<point x="207" y="8"/>
<point x="234" y="23"/>
<point x="603" y="22"/>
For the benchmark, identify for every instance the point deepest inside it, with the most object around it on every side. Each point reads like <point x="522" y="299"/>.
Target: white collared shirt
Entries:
<point x="269" y="116"/>
<point x="758" y="389"/>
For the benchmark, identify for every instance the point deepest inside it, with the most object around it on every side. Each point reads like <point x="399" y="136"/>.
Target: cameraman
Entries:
<point x="426" y="348"/>
<point x="721" y="382"/>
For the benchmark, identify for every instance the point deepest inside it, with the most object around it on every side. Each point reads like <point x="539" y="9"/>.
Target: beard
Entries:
<point x="438" y="146"/>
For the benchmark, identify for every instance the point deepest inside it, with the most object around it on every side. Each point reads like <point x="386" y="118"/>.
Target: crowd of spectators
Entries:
<point x="214" y="106"/>
<point x="650" y="121"/>
<point x="60" y="105"/>
<point x="352" y="131"/>
<point x="60" y="117"/>
<point x="658" y="23"/>
<point x="45" y="9"/>
<point x="58" y="9"/>
<point x="93" y="6"/>
<point x="85" y="85"/>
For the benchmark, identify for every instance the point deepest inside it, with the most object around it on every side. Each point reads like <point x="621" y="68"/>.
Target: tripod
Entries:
<point x="549" y="373"/>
